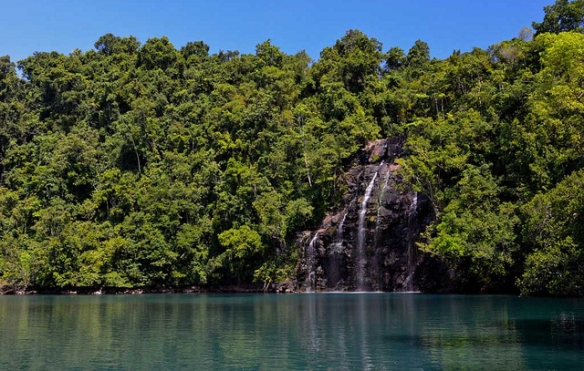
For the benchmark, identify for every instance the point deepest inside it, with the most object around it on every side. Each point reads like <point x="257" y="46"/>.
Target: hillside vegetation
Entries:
<point x="144" y="165"/>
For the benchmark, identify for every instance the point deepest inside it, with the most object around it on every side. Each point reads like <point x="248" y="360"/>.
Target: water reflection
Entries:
<point x="362" y="319"/>
<point x="318" y="332"/>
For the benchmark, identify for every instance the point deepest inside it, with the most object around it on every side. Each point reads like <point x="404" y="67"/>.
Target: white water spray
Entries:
<point x="413" y="213"/>
<point x="380" y="201"/>
<point x="361" y="257"/>
<point x="310" y="281"/>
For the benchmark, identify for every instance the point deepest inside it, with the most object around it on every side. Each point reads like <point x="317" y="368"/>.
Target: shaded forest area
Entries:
<point x="143" y="165"/>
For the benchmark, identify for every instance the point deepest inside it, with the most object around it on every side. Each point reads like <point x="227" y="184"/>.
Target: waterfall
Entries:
<point x="340" y="227"/>
<point x="339" y="235"/>
<point x="335" y="262"/>
<point x="337" y="246"/>
<point x="414" y="206"/>
<point x="381" y="195"/>
<point x="413" y="213"/>
<point x="375" y="269"/>
<point x="310" y="281"/>
<point x="361" y="256"/>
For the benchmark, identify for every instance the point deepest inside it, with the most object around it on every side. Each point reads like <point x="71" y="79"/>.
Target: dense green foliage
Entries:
<point x="500" y="155"/>
<point x="564" y="15"/>
<point x="145" y="165"/>
<point x="135" y="165"/>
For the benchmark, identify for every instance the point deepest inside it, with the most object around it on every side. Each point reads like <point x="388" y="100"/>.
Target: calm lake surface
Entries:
<point x="301" y="332"/>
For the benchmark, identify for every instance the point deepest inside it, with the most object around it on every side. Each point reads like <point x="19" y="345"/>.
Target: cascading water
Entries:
<point x="361" y="256"/>
<point x="375" y="261"/>
<point x="413" y="213"/>
<point x="310" y="281"/>
<point x="336" y="251"/>
<point x="380" y="204"/>
<point x="370" y="242"/>
<point x="339" y="238"/>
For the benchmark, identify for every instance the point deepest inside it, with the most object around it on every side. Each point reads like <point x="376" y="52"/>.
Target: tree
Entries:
<point x="157" y="53"/>
<point x="110" y="44"/>
<point x="564" y="15"/>
<point x="394" y="59"/>
<point x="418" y="55"/>
<point x="554" y="232"/>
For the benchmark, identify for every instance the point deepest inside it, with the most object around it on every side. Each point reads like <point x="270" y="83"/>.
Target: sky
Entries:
<point x="27" y="26"/>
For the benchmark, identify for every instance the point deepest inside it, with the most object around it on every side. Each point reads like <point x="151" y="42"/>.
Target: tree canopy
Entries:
<point x="135" y="165"/>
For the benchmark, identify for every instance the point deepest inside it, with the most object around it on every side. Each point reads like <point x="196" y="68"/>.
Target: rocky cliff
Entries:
<point x="370" y="243"/>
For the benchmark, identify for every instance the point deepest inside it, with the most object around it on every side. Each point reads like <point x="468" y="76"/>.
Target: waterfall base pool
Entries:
<point x="373" y="331"/>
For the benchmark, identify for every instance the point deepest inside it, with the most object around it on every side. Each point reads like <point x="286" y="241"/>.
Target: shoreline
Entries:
<point x="233" y="289"/>
<point x="136" y="291"/>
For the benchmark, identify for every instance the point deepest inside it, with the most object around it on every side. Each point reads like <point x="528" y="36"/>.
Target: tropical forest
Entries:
<point x="141" y="164"/>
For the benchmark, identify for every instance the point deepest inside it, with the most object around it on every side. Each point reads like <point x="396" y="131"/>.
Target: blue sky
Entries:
<point x="27" y="26"/>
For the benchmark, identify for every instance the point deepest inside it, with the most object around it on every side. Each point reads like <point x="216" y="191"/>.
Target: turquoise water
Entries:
<point x="291" y="332"/>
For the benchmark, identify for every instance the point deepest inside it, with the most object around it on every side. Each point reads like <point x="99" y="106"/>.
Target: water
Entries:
<point x="361" y="255"/>
<point x="339" y="238"/>
<point x="290" y="332"/>
<point x="310" y="281"/>
<point x="380" y="204"/>
<point x="413" y="213"/>
<point x="336" y="251"/>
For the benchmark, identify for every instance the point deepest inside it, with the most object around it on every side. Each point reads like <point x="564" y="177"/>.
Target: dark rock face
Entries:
<point x="370" y="244"/>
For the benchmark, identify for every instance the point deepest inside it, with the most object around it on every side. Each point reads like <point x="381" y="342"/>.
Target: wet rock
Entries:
<point x="393" y="220"/>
